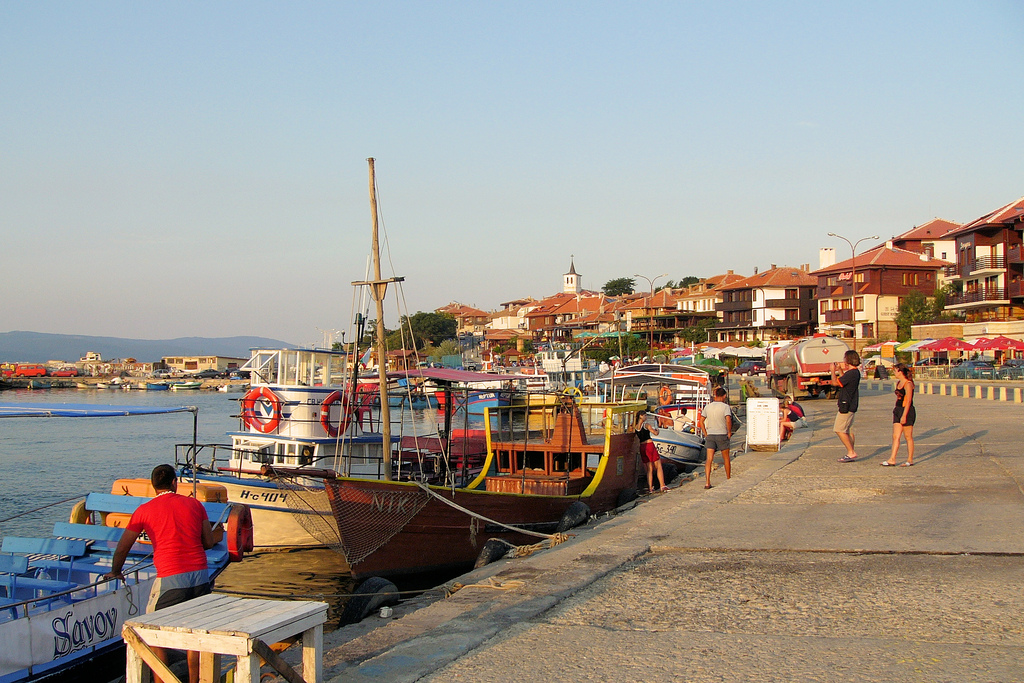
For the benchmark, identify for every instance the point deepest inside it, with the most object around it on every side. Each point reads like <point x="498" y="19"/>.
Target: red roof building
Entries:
<point x="776" y="304"/>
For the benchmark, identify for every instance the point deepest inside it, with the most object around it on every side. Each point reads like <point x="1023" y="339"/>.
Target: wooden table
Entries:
<point x="226" y="625"/>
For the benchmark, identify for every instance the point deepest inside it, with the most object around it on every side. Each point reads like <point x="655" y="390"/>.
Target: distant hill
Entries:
<point x="38" y="347"/>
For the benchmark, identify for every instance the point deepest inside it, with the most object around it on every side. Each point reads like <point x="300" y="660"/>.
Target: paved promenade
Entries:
<point x="798" y="568"/>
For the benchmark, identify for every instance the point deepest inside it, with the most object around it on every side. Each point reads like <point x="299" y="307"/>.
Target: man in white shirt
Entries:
<point x="715" y="422"/>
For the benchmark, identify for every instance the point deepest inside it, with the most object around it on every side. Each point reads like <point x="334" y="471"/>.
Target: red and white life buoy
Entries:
<point x="239" y="532"/>
<point x="325" y="413"/>
<point x="251" y="418"/>
<point x="664" y="395"/>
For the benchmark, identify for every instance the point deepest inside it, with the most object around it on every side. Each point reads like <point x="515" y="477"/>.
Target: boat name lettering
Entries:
<point x="390" y="503"/>
<point x="263" y="496"/>
<point x="71" y="635"/>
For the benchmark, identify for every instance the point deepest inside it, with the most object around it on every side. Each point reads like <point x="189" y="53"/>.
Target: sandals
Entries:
<point x="886" y="463"/>
<point x="707" y="486"/>
<point x="907" y="464"/>
<point x="847" y="458"/>
<point x="664" y="488"/>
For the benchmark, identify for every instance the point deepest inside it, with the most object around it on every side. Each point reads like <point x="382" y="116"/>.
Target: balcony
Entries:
<point x="734" y="306"/>
<point x="1015" y="254"/>
<point x="980" y="296"/>
<point x="782" y="303"/>
<point x="988" y="264"/>
<point x="843" y="315"/>
<point x="1015" y="289"/>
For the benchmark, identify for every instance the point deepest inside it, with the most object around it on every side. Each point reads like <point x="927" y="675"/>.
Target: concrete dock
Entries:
<point x="798" y="568"/>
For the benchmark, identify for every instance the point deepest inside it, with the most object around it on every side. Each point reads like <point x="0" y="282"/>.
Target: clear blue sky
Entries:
<point x="198" y="169"/>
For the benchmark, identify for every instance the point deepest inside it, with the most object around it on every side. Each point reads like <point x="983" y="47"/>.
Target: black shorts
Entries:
<point x="897" y="415"/>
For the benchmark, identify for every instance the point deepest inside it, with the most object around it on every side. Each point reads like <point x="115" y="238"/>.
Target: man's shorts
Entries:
<point x="716" y="442"/>
<point x="844" y="423"/>
<point x="176" y="589"/>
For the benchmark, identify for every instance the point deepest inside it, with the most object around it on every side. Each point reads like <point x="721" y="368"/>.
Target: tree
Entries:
<point x="432" y="327"/>
<point x="633" y="346"/>
<point x="698" y="332"/>
<point x="449" y="347"/>
<point x="913" y="309"/>
<point x="619" y="286"/>
<point x="684" y="282"/>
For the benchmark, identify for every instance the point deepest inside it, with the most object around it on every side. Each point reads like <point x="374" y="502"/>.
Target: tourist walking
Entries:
<point x="848" y="400"/>
<point x="715" y="422"/>
<point x="648" y="452"/>
<point x="904" y="415"/>
<point x="181" y="534"/>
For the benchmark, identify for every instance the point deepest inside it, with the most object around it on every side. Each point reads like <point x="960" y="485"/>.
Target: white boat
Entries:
<point x="186" y="386"/>
<point x="57" y="610"/>
<point x="297" y="414"/>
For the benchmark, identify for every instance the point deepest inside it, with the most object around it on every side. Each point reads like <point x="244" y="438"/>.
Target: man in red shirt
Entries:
<point x="181" y="534"/>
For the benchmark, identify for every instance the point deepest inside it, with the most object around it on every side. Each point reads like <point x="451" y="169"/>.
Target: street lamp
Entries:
<point x="853" y="275"/>
<point x="650" y="322"/>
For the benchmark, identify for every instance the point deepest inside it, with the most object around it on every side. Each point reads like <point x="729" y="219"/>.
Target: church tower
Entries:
<point x="571" y="283"/>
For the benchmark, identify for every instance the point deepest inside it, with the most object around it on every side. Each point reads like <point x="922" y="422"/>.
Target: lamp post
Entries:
<point x="650" y="322"/>
<point x="853" y="276"/>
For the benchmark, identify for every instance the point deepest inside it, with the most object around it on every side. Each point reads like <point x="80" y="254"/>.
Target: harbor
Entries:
<point x="798" y="568"/>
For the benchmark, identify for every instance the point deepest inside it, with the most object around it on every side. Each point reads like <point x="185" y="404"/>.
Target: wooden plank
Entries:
<point x="93" y="532"/>
<point x="134" y="642"/>
<point x="312" y="653"/>
<point x="274" y="660"/>
<point x="108" y="502"/>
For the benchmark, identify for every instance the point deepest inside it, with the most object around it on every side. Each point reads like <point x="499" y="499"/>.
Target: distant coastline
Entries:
<point x="40" y="347"/>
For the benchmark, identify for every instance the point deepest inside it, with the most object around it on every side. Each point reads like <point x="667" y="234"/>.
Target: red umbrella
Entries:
<point x="948" y="344"/>
<point x="1000" y="343"/>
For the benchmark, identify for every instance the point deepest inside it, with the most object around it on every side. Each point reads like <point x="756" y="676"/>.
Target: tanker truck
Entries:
<point x="805" y="365"/>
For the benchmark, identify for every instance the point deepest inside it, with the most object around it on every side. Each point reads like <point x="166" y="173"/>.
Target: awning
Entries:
<point x="85" y="410"/>
<point x="912" y="345"/>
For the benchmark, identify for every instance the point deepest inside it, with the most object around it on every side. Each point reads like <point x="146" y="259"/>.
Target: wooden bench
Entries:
<point x="18" y="548"/>
<point x="217" y="625"/>
<point x="108" y="502"/>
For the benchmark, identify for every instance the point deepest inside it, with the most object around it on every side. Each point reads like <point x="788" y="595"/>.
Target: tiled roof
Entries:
<point x="933" y="229"/>
<point x="882" y="256"/>
<point x="1011" y="213"/>
<point x="774" y="277"/>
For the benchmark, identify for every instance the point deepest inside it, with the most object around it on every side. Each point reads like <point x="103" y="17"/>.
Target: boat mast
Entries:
<point x="378" y="289"/>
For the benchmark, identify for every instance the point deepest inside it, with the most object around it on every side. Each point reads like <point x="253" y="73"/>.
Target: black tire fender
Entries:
<point x="576" y="514"/>
<point x="370" y="595"/>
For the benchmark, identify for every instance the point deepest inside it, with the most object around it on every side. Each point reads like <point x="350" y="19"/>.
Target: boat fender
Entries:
<point x="79" y="515"/>
<point x="325" y="414"/>
<point x="239" y="532"/>
<point x="664" y="396"/>
<point x="576" y="514"/>
<point x="626" y="496"/>
<point x="368" y="597"/>
<point x="249" y="415"/>
<point x="494" y="549"/>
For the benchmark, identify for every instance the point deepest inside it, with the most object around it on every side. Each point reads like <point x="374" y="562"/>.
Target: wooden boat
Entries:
<point x="186" y="386"/>
<point x="38" y="384"/>
<point x="540" y="460"/>
<point x="83" y="385"/>
<point x="157" y="386"/>
<point x="57" y="610"/>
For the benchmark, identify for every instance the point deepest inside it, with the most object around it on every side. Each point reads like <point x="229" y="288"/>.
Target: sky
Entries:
<point x="199" y="168"/>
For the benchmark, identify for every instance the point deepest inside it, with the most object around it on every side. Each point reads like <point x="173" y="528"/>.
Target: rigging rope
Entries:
<point x="458" y="507"/>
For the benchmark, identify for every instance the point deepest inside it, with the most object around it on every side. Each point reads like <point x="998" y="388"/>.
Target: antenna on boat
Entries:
<point x="378" y="288"/>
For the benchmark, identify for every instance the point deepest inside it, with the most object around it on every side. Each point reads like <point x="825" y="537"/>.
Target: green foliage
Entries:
<point x="619" y="286"/>
<point x="914" y="308"/>
<point x="698" y="332"/>
<point x="632" y="347"/>
<point x="431" y="328"/>
<point x="684" y="282"/>
<point x="449" y="347"/>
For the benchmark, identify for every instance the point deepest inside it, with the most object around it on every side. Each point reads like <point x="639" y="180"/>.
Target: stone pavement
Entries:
<point x="798" y="568"/>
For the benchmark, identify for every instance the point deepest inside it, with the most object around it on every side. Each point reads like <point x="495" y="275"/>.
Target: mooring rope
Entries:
<point x="492" y="583"/>
<point x="481" y="517"/>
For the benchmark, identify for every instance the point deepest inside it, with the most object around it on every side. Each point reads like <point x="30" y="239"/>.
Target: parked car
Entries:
<point x="65" y="372"/>
<point x="973" y="369"/>
<point x="207" y="374"/>
<point x="161" y="374"/>
<point x="751" y="367"/>
<point x="23" y="370"/>
<point x="929" y="361"/>
<point x="1012" y="369"/>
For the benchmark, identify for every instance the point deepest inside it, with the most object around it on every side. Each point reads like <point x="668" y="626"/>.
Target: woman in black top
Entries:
<point x="904" y="415"/>
<point x="648" y="452"/>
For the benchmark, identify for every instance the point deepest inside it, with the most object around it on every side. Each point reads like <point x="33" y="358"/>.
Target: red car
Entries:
<point x="30" y="371"/>
<point x="65" y="372"/>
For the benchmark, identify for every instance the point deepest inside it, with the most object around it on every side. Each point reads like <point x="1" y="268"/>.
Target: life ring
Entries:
<point x="664" y="395"/>
<point x="249" y="415"/>
<point x="573" y="391"/>
<point x="325" y="414"/>
<point x="239" y="532"/>
<point x="79" y="515"/>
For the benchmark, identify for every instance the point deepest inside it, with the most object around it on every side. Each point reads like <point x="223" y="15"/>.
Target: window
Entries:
<point x="833" y="281"/>
<point x="792" y="294"/>
<point x="859" y="277"/>
<point x="858" y="303"/>
<point x="825" y="305"/>
<point x="909" y="279"/>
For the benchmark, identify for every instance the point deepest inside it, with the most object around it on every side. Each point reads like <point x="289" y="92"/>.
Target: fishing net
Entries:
<point x="312" y="509"/>
<point x="369" y="517"/>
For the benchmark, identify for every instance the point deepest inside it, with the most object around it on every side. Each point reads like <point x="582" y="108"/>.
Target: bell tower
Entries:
<point x="571" y="281"/>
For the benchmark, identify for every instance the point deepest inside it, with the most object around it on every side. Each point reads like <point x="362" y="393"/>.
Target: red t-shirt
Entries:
<point x="175" y="526"/>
